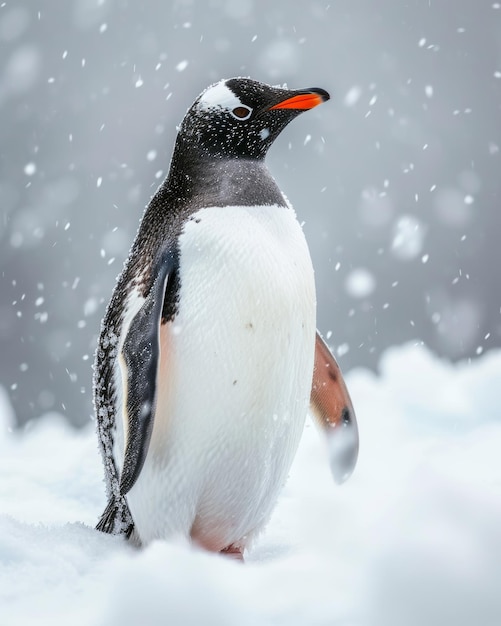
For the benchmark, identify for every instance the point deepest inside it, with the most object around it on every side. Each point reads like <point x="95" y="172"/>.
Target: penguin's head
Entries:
<point x="240" y="118"/>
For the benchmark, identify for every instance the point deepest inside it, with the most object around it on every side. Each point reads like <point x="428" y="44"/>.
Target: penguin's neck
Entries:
<point x="204" y="181"/>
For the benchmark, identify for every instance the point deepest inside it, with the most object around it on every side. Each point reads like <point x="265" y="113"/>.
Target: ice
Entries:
<point x="412" y="538"/>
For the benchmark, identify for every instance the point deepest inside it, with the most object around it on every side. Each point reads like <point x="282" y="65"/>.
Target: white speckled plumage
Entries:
<point x="231" y="409"/>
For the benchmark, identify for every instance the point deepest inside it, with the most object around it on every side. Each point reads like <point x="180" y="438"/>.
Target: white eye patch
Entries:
<point x="221" y="96"/>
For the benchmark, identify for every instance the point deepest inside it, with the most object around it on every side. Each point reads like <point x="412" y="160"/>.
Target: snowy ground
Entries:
<point x="413" y="538"/>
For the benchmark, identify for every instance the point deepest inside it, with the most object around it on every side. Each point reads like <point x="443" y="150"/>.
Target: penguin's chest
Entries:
<point x="236" y="369"/>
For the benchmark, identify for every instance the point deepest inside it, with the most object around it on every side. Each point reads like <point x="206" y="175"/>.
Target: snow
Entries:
<point x="360" y="283"/>
<point x="352" y="96"/>
<point x="30" y="169"/>
<point x="408" y="237"/>
<point x="412" y="538"/>
<point x="182" y="65"/>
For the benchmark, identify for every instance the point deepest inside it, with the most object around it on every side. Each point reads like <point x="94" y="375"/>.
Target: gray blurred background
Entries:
<point x="396" y="178"/>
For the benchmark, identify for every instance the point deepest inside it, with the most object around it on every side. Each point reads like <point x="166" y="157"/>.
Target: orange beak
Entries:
<point x="303" y="100"/>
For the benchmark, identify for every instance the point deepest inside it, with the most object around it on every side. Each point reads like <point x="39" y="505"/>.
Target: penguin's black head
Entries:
<point x="240" y="118"/>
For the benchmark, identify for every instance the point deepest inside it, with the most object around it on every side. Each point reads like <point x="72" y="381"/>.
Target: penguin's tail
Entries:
<point x="116" y="519"/>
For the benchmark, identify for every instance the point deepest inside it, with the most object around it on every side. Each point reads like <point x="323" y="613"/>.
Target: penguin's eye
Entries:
<point x="241" y="112"/>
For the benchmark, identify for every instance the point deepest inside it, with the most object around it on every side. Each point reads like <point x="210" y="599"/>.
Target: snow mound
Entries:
<point x="412" y="538"/>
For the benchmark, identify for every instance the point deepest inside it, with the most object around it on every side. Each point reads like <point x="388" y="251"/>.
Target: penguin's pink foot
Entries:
<point x="233" y="552"/>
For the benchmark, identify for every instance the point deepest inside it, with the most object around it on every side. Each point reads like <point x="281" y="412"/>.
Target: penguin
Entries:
<point x="208" y="357"/>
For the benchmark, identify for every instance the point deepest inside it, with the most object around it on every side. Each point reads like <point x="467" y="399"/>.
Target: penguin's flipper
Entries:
<point x="140" y="359"/>
<point x="331" y="406"/>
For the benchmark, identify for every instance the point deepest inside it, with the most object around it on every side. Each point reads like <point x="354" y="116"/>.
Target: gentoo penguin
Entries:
<point x="208" y="356"/>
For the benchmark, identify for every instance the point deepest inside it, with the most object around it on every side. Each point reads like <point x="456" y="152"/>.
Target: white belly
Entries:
<point x="236" y="372"/>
